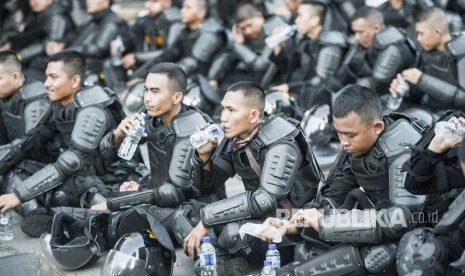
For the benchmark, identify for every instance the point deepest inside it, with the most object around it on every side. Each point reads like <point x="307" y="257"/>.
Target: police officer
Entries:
<point x="436" y="81"/>
<point x="81" y="117"/>
<point x="267" y="153"/>
<point x="372" y="160"/>
<point x="248" y="58"/>
<point x="198" y="39"/>
<point x="23" y="107"/>
<point x="151" y="37"/>
<point x="380" y="53"/>
<point x="168" y="129"/>
<point x="435" y="169"/>
<point x="48" y="22"/>
<point x="316" y="57"/>
<point x="93" y="40"/>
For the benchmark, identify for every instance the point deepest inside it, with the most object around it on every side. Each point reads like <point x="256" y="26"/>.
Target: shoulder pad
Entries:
<point x="396" y="136"/>
<point x="185" y="125"/>
<point x="271" y="23"/>
<point x="388" y="36"/>
<point x="172" y="14"/>
<point x="274" y="129"/>
<point x="456" y="47"/>
<point x="174" y="32"/>
<point x="94" y="95"/>
<point x="89" y="128"/>
<point x="333" y="38"/>
<point x="33" y="90"/>
<point x="211" y="25"/>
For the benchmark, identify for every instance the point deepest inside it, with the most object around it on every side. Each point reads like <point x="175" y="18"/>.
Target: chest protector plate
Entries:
<point x="24" y="110"/>
<point x="379" y="172"/>
<point x="162" y="139"/>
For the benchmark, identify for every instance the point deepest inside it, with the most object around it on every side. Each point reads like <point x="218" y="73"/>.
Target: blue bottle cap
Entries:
<point x="206" y="239"/>
<point x="272" y="246"/>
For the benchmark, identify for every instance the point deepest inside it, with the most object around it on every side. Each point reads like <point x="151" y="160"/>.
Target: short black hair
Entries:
<point x="253" y="92"/>
<point x="434" y="17"/>
<point x="245" y="12"/>
<point x="177" y="78"/>
<point x="318" y="8"/>
<point x="10" y="61"/>
<point x="360" y="100"/>
<point x="370" y="14"/>
<point x="75" y="63"/>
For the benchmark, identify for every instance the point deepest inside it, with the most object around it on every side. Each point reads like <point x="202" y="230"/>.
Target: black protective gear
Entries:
<point x="375" y="67"/>
<point x="53" y="24"/>
<point x="246" y="205"/>
<point x="49" y="177"/>
<point x="94" y="40"/>
<point x="442" y="85"/>
<point x="25" y="110"/>
<point x="139" y="253"/>
<point x="192" y="49"/>
<point x="272" y="133"/>
<point x="407" y="246"/>
<point x="74" y="242"/>
<point x="347" y="257"/>
<point x="366" y="226"/>
<point x="385" y="180"/>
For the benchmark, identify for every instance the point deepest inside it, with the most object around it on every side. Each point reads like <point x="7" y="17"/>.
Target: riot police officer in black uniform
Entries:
<point x="316" y="57"/>
<point x="248" y="57"/>
<point x="372" y="159"/>
<point x="437" y="83"/>
<point x="197" y="39"/>
<point x="267" y="153"/>
<point x="81" y="117"/>
<point x="151" y="34"/>
<point x="381" y="52"/>
<point x="435" y="170"/>
<point x="23" y="107"/>
<point x="168" y="129"/>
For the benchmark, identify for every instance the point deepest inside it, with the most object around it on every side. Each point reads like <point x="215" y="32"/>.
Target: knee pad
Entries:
<point x="263" y="203"/>
<point x="171" y="195"/>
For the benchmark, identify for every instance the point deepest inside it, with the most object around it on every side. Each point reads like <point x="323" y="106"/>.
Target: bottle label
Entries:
<point x="275" y="261"/>
<point x="207" y="259"/>
<point x="4" y="220"/>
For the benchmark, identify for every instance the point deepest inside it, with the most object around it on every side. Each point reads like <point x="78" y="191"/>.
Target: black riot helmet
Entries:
<point x="74" y="242"/>
<point x="144" y="246"/>
<point x="138" y="253"/>
<point x="317" y="125"/>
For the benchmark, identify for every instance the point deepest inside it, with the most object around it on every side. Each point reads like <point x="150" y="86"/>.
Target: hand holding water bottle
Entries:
<point x="447" y="134"/>
<point x="130" y="143"/>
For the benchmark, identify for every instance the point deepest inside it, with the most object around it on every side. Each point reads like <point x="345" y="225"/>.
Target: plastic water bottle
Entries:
<point x="118" y="47"/>
<point x="6" y="227"/>
<point x="198" y="139"/>
<point x="131" y="142"/>
<point x="207" y="258"/>
<point x="395" y="100"/>
<point x="449" y="130"/>
<point x="273" y="255"/>
<point x="268" y="269"/>
<point x="277" y="38"/>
